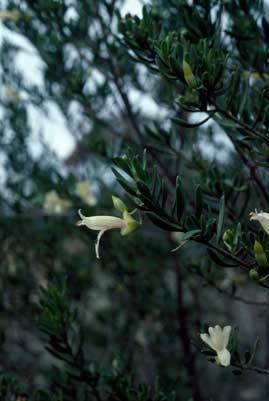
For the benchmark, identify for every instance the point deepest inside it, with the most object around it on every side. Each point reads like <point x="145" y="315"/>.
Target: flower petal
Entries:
<point x="81" y="215"/>
<point x="98" y="243"/>
<point x="224" y="357"/>
<point x="211" y="331"/>
<point x="218" y="338"/>
<point x="262" y="218"/>
<point x="218" y="331"/>
<point x="207" y="339"/>
<point x="226" y="335"/>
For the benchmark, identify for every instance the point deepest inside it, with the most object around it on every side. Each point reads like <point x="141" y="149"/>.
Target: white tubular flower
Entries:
<point x="54" y="204"/>
<point x="84" y="192"/>
<point x="103" y="223"/>
<point x="262" y="218"/>
<point x="218" y="340"/>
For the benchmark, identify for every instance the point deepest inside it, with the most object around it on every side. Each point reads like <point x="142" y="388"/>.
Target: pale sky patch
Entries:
<point x="53" y="127"/>
<point x="132" y="7"/>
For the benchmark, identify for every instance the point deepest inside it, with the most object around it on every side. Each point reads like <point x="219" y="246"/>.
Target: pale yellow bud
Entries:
<point x="259" y="253"/>
<point x="188" y="74"/>
<point x="119" y="205"/>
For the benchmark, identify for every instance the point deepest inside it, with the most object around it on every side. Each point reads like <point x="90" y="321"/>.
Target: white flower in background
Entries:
<point x="84" y="192"/>
<point x="54" y="204"/>
<point x="11" y="94"/>
<point x="218" y="340"/>
<point x="262" y="218"/>
<point x="103" y="223"/>
<point x="176" y="236"/>
<point x="10" y="15"/>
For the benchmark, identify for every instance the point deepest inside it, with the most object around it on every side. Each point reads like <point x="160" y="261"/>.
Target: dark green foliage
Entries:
<point x="78" y="379"/>
<point x="152" y="97"/>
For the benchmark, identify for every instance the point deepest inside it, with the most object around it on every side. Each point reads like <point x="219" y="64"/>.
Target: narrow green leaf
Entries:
<point x="187" y="124"/>
<point x="162" y="223"/>
<point x="144" y="161"/>
<point x="244" y="99"/>
<point x="117" y="174"/>
<point x="140" y="173"/>
<point x="127" y="187"/>
<point x="130" y="154"/>
<point x="247" y="356"/>
<point x="237" y="236"/>
<point x="237" y="372"/>
<point x="164" y="195"/>
<point x="208" y="353"/>
<point x="190" y="234"/>
<point x="224" y="122"/>
<point x="221" y="218"/>
<point x="199" y="202"/>
<point x="143" y="189"/>
<point x="220" y="262"/>
<point x="148" y="203"/>
<point x="180" y="199"/>
<point x="210" y="228"/>
<point x="123" y="164"/>
<point x="155" y="183"/>
<point x="202" y="222"/>
<point x="254" y="350"/>
<point x="191" y="223"/>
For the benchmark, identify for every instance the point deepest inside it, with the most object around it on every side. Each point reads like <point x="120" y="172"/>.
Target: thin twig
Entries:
<point x="184" y="335"/>
<point x="233" y="296"/>
<point x="256" y="369"/>
<point x="243" y="125"/>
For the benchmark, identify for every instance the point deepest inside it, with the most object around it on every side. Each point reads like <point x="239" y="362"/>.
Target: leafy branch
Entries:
<point x="150" y="196"/>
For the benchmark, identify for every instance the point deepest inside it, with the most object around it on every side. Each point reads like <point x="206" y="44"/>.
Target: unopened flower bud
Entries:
<point x="188" y="74"/>
<point x="254" y="275"/>
<point x="260" y="255"/>
<point x="119" y="205"/>
<point x="228" y="238"/>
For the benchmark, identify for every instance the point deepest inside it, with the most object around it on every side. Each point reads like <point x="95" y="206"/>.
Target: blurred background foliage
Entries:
<point x="119" y="81"/>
